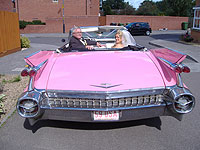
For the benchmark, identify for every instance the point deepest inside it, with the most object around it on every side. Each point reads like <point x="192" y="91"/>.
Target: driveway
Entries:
<point x="161" y="133"/>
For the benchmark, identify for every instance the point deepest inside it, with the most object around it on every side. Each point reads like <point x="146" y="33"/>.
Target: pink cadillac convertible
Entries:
<point x="105" y="84"/>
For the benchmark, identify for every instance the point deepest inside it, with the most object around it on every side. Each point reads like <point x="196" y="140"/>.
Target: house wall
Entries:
<point x="6" y="5"/>
<point x="55" y="25"/>
<point x="156" y="22"/>
<point x="42" y="9"/>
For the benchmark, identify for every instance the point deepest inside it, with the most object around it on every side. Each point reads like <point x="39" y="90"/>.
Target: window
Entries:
<point x="55" y="1"/>
<point x="196" y="21"/>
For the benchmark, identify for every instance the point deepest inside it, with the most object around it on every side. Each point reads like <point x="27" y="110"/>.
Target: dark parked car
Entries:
<point x="139" y="28"/>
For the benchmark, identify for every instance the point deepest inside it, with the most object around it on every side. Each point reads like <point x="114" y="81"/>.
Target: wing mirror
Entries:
<point x="63" y="40"/>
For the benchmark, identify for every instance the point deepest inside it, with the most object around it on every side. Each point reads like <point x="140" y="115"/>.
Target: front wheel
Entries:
<point x="147" y="33"/>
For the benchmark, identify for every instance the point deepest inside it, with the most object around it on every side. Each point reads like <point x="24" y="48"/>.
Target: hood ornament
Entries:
<point x="106" y="85"/>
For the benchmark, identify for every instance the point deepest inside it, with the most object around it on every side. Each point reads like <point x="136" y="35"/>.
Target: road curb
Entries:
<point x="157" y="45"/>
<point x="7" y="116"/>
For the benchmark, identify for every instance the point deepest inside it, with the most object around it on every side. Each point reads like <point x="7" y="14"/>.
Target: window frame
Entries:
<point x="55" y="1"/>
<point x="196" y="19"/>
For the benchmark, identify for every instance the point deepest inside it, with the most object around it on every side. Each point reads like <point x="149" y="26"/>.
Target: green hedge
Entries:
<point x="23" y="24"/>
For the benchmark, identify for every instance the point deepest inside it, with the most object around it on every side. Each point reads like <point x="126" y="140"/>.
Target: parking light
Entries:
<point x="32" y="72"/>
<point x="178" y="69"/>
<point x="186" y="69"/>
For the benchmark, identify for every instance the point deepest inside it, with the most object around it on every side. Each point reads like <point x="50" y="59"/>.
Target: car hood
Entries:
<point x="103" y="71"/>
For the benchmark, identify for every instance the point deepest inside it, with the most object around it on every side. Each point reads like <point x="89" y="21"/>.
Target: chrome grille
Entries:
<point x="99" y="103"/>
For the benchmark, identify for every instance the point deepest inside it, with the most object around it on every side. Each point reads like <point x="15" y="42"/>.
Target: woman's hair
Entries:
<point x="120" y="33"/>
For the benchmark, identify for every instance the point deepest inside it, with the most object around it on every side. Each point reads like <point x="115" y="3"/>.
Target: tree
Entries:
<point x="148" y="7"/>
<point x="128" y="10"/>
<point x="176" y="7"/>
<point x="107" y="10"/>
<point x="116" y="7"/>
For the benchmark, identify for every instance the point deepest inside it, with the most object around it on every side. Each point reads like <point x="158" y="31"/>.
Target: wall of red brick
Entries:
<point x="41" y="9"/>
<point x="34" y="29"/>
<point x="6" y="5"/>
<point x="55" y="25"/>
<point x="156" y="22"/>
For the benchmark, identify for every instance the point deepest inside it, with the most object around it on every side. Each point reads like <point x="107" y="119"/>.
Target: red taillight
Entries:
<point x="32" y="73"/>
<point x="24" y="73"/>
<point x="186" y="69"/>
<point x="178" y="69"/>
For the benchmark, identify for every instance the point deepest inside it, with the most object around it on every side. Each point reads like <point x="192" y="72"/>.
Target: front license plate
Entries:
<point x="106" y="115"/>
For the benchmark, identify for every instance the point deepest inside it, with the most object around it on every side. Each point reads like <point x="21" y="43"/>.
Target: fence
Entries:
<point x="156" y="22"/>
<point x="9" y="33"/>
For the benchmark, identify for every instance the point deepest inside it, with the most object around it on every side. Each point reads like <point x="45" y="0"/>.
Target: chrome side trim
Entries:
<point x="40" y="65"/>
<point x="32" y="54"/>
<point x="179" y="81"/>
<point x="168" y="62"/>
<point x="31" y="81"/>
<point x="30" y="85"/>
<point x="176" y="51"/>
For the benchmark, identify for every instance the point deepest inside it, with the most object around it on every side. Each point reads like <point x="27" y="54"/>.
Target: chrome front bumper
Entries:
<point x="87" y="115"/>
<point x="80" y="106"/>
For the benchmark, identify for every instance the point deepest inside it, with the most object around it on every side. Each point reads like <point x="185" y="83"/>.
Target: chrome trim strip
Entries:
<point x="40" y="65"/>
<point x="179" y="81"/>
<point x="176" y="51"/>
<point x="32" y="54"/>
<point x="103" y="109"/>
<point x="31" y="81"/>
<point x="168" y="62"/>
<point x="30" y="85"/>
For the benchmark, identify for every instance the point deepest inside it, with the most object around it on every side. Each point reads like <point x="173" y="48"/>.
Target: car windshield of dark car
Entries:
<point x="129" y="25"/>
<point x="145" y="25"/>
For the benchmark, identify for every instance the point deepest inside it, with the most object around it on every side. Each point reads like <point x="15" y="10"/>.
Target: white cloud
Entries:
<point x="136" y="3"/>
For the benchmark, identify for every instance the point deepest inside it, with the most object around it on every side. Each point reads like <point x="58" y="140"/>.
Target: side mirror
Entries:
<point x="63" y="40"/>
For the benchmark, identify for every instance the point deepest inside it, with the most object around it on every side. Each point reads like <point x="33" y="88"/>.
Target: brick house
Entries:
<point x="76" y="12"/>
<point x="196" y="23"/>
<point x="7" y="5"/>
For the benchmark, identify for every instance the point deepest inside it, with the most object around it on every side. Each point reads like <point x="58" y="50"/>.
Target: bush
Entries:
<point x="38" y="22"/>
<point x="25" y="42"/>
<point x="186" y="37"/>
<point x="22" y="24"/>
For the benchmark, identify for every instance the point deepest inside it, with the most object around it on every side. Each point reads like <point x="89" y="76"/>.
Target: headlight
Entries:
<point x="184" y="104"/>
<point x="28" y="108"/>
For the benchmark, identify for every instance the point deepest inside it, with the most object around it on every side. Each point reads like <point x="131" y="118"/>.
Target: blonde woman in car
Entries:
<point x="118" y="38"/>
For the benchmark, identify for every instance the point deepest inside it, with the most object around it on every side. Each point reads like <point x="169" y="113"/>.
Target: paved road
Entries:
<point x="161" y="133"/>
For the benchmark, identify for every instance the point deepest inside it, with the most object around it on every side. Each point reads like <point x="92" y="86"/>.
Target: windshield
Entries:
<point x="105" y="35"/>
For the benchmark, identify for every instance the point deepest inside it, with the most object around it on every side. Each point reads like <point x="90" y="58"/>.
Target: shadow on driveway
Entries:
<point x="152" y="122"/>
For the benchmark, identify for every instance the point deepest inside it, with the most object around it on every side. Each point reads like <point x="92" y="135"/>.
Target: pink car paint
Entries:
<point x="87" y="71"/>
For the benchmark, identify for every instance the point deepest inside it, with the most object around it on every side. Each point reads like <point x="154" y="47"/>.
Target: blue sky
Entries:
<point x="136" y="3"/>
